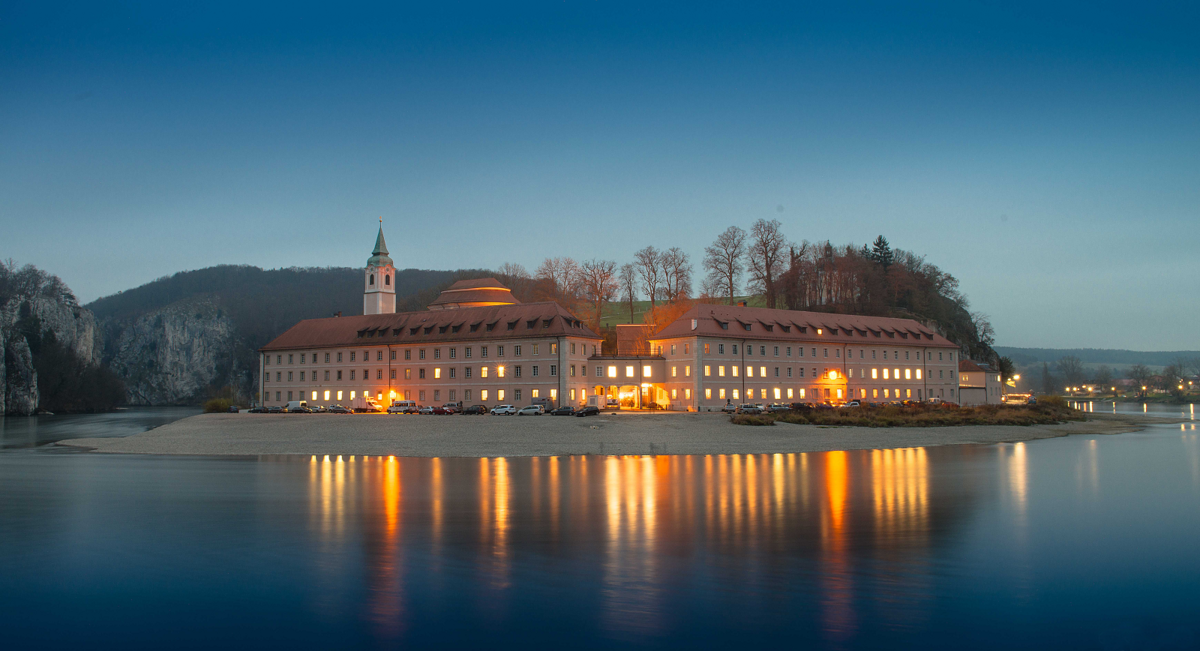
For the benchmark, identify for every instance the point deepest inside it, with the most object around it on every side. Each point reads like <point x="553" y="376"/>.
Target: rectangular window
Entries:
<point x="599" y="371"/>
<point x="572" y="393"/>
<point x="721" y="394"/>
<point x="408" y="354"/>
<point x="499" y="371"/>
<point x="353" y="355"/>
<point x="789" y="373"/>
<point x="749" y="394"/>
<point x="289" y="396"/>
<point x="776" y="371"/>
<point x="801" y="371"/>
<point x="628" y="371"/>
<point x="437" y="353"/>
<point x="762" y="371"/>
<point x="483" y="351"/>
<point x="393" y="374"/>
<point x="789" y="394"/>
<point x="421" y="354"/>
<point x="453" y="353"/>
<point x="483" y="371"/>
<point x="735" y="370"/>
<point x="885" y="374"/>
<point x="289" y="376"/>
<point x="554" y="370"/>
<point x="516" y="372"/>
<point x="814" y="352"/>
<point x="421" y="396"/>
<point x="500" y="353"/>
<point x="500" y="394"/>
<point x="378" y="374"/>
<point x="721" y="371"/>
<point x="534" y="393"/>
<point x="452" y="373"/>
<point x="467" y="394"/>
<point x="645" y="370"/>
<point x="290" y="358"/>
<point x="483" y="394"/>
<point x="451" y="395"/>
<point x="707" y="371"/>
<point x="301" y="376"/>
<point x="907" y="374"/>
<point x="437" y="373"/>
<point x="720" y="349"/>
<point x="572" y="370"/>
<point x="708" y="394"/>
<point x="705" y="349"/>
<point x="733" y="347"/>
<point x="535" y="371"/>
<point x="420" y="374"/>
<point x="762" y="350"/>
<point x="339" y="375"/>
<point x="516" y="351"/>
<point x="467" y="372"/>
<point x="735" y="395"/>
<point x="467" y="352"/>
<point x="437" y="395"/>
<point x="674" y="394"/>
<point x="279" y="359"/>
<point x="918" y="374"/>
<point x="536" y="349"/>
<point x="777" y="396"/>
<point x="408" y="374"/>
<point x="379" y="355"/>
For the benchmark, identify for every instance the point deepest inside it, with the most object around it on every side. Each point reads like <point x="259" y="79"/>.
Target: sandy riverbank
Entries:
<point x="492" y="436"/>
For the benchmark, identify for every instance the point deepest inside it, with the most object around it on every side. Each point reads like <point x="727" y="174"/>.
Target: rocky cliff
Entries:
<point x="36" y="308"/>
<point x="177" y="354"/>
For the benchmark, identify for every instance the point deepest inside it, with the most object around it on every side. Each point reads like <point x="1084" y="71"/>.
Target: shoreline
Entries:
<point x="251" y="435"/>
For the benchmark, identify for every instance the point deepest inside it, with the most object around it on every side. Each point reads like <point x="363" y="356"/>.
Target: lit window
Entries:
<point x="789" y="394"/>
<point x="802" y="394"/>
<point x="839" y="394"/>
<point x="645" y="370"/>
<point x="437" y="373"/>
<point x="735" y="394"/>
<point x="708" y="394"/>
<point x="314" y="395"/>
<point x="907" y="374"/>
<point x="707" y="371"/>
<point x="483" y="371"/>
<point x="352" y="395"/>
<point x="499" y="394"/>
<point x="612" y="371"/>
<point x="762" y="371"/>
<point x="674" y="394"/>
<point x="687" y="393"/>
<point x="687" y="371"/>
<point x="500" y="373"/>
<point x="721" y="371"/>
<point x="735" y="370"/>
<point x="674" y="371"/>
<point x="885" y="374"/>
<point x="628" y="371"/>
<point x="721" y="394"/>
<point x="339" y="395"/>
<point x="326" y="395"/>
<point x="572" y="394"/>
<point x="553" y="392"/>
<point x="918" y="374"/>
<point x="483" y="394"/>
<point x="896" y="373"/>
<point x="749" y="394"/>
<point x="777" y="396"/>
<point x="874" y="374"/>
<point x="534" y="393"/>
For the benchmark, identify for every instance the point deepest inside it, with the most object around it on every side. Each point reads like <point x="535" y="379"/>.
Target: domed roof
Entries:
<point x="474" y="293"/>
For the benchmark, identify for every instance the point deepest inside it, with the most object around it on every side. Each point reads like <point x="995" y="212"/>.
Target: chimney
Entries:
<point x="741" y="303"/>
<point x="337" y="314"/>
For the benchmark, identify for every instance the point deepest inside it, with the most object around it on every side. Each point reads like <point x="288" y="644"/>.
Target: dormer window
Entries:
<point x="512" y="325"/>
<point x="455" y="328"/>
<point x="428" y="329"/>
<point x="529" y="324"/>
<point x="442" y="330"/>
<point x="490" y="326"/>
<point x="724" y="325"/>
<point x="474" y="327"/>
<point x="413" y="331"/>
<point x="546" y="323"/>
<point x="786" y="328"/>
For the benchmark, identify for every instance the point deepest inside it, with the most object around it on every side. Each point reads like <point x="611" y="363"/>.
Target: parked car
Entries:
<point x="299" y="410"/>
<point x="318" y="409"/>
<point x="426" y="411"/>
<point x="749" y="409"/>
<point x="294" y="405"/>
<point x="504" y="410"/>
<point x="778" y="408"/>
<point x="441" y="411"/>
<point x="452" y="407"/>
<point x="588" y="411"/>
<point x="563" y="411"/>
<point x="403" y="407"/>
<point x="729" y="409"/>
<point x="530" y="410"/>
<point x="338" y="409"/>
<point x="274" y="410"/>
<point x="396" y="409"/>
<point x="475" y="410"/>
<point x="852" y="403"/>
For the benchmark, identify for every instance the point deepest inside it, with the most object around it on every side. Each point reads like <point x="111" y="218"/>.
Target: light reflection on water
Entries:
<point x="1025" y="544"/>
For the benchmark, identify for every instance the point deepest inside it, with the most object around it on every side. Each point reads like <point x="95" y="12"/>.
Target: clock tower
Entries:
<point x="379" y="290"/>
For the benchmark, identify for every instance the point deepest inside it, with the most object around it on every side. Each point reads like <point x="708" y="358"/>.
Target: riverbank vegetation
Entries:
<point x="1046" y="412"/>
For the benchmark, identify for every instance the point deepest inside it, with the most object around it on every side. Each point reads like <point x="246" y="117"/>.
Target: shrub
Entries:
<point x="217" y="405"/>
<point x="748" y="419"/>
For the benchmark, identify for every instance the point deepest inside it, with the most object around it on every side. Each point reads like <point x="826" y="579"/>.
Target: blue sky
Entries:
<point x="1048" y="156"/>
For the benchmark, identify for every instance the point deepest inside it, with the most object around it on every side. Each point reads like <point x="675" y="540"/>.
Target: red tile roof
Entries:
<point x="442" y="326"/>
<point x="969" y="366"/>
<point x="768" y="324"/>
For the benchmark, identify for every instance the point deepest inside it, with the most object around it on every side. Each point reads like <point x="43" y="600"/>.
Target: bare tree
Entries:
<point x="677" y="274"/>
<point x="513" y="270"/>
<point x="984" y="331"/>
<point x="1140" y="374"/>
<point x="766" y="254"/>
<point x="1071" y="368"/>
<point x="627" y="283"/>
<point x="1104" y="377"/>
<point x="562" y="274"/>
<point x="649" y="268"/>
<point x="598" y="281"/>
<point x="725" y="262"/>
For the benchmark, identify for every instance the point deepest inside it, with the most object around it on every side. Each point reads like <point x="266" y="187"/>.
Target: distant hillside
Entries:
<point x="1094" y="356"/>
<point x="181" y="338"/>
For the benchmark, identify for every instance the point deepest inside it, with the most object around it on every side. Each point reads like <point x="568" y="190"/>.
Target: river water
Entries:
<point x="1080" y="542"/>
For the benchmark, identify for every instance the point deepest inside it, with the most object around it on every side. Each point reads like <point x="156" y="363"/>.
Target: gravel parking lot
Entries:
<point x="508" y="436"/>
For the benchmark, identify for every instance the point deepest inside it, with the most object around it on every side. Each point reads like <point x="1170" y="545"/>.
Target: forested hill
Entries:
<point x="1111" y="357"/>
<point x="193" y="335"/>
<point x="262" y="302"/>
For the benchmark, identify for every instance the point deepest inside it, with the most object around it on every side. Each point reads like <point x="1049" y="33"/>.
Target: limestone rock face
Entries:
<point x="173" y="355"/>
<point x="21" y="390"/>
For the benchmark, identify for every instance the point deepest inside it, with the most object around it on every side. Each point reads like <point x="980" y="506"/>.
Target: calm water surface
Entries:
<point x="1080" y="542"/>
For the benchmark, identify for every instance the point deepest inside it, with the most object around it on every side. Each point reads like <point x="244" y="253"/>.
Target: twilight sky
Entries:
<point x="1049" y="157"/>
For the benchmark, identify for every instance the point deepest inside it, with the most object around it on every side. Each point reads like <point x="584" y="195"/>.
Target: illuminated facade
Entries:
<point x="978" y="384"/>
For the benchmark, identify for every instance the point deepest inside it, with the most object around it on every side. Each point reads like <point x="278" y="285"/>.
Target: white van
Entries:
<point x="402" y="407"/>
<point x="295" y="405"/>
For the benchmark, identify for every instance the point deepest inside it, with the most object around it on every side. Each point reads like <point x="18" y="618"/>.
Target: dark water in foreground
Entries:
<point x="1081" y="542"/>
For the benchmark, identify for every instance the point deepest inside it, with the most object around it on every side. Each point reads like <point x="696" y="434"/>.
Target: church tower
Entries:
<point x="379" y="293"/>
